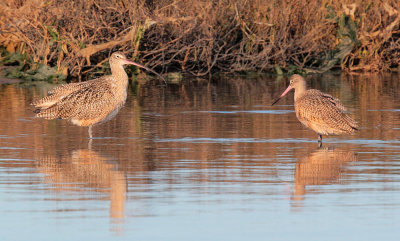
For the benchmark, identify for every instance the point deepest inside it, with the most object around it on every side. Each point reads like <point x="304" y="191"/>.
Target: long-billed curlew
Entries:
<point x="318" y="111"/>
<point x="92" y="102"/>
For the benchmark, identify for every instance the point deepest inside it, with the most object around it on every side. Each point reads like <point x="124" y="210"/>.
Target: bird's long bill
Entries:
<point x="146" y="68"/>
<point x="289" y="88"/>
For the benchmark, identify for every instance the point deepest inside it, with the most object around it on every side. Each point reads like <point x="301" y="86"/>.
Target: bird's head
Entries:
<point x="118" y="58"/>
<point x="295" y="82"/>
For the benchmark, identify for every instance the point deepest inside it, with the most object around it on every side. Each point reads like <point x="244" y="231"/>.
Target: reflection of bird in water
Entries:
<point x="84" y="171"/>
<point x="318" y="111"/>
<point x="92" y="102"/>
<point x="321" y="167"/>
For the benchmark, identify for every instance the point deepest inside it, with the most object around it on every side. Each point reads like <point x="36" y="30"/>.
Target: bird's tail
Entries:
<point x="46" y="107"/>
<point x="352" y="123"/>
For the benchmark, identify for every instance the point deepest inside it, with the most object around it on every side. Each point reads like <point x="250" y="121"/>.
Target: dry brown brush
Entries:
<point x="200" y="37"/>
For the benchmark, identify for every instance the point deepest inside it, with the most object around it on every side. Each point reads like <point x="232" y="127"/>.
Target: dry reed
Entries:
<point x="200" y="37"/>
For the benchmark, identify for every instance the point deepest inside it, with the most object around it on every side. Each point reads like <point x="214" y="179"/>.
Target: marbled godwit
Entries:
<point x="92" y="102"/>
<point x="318" y="111"/>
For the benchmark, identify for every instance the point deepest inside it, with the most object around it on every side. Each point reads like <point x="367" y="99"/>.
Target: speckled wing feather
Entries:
<point x="61" y="91"/>
<point x="330" y="98"/>
<point x="68" y="88"/>
<point x="86" y="103"/>
<point x="323" y="113"/>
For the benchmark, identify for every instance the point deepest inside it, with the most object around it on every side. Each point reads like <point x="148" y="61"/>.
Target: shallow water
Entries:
<point x="204" y="160"/>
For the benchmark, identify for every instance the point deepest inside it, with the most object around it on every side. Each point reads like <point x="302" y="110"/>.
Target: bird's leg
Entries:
<point x="90" y="144"/>
<point x="319" y="141"/>
<point x="90" y="132"/>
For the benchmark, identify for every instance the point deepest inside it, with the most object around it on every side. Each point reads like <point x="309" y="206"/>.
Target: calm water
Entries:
<point x="203" y="160"/>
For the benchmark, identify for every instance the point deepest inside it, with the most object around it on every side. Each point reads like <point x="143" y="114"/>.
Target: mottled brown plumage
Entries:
<point x="92" y="102"/>
<point x="318" y="111"/>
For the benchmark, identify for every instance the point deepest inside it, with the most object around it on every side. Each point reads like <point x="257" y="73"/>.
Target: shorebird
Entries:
<point x="91" y="102"/>
<point x="318" y="111"/>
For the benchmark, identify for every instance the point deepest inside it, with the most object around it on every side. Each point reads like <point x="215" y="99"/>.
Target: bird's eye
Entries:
<point x="291" y="81"/>
<point x="118" y="56"/>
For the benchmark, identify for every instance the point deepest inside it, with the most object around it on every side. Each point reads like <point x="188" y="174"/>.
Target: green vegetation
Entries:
<point x="20" y="66"/>
<point x="56" y="39"/>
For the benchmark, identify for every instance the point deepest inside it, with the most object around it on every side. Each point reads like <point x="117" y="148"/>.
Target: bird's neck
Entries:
<point x="119" y="74"/>
<point x="300" y="90"/>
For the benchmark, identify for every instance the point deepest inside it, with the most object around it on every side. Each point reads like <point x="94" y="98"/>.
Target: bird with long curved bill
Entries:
<point x="319" y="111"/>
<point x="91" y="102"/>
